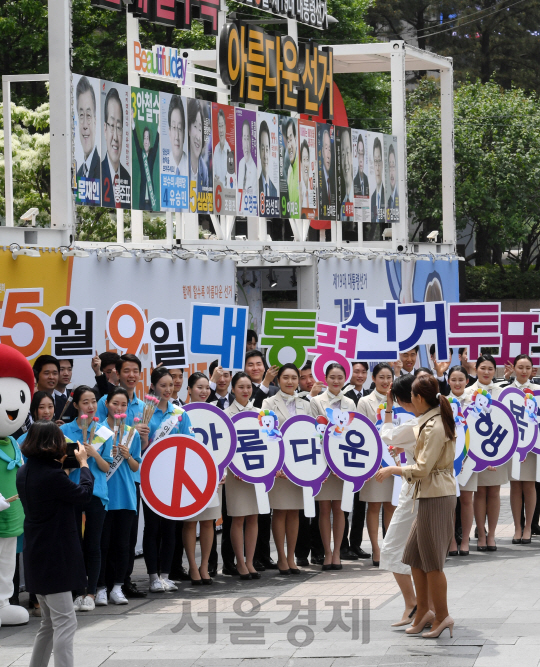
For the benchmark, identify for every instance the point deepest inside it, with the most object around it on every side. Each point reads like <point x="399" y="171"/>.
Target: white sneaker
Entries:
<point x="87" y="604"/>
<point x="77" y="603"/>
<point x="169" y="585"/>
<point x="156" y="586"/>
<point x="118" y="597"/>
<point x="101" y="598"/>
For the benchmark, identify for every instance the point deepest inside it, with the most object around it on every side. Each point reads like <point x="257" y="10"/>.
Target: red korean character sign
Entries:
<point x="334" y="344"/>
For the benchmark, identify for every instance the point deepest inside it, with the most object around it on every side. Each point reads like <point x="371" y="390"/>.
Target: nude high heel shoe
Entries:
<point x="427" y="619"/>
<point x="447" y="623"/>
<point x="407" y="621"/>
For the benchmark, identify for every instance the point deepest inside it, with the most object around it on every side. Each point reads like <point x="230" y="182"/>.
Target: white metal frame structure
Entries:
<point x="395" y="57"/>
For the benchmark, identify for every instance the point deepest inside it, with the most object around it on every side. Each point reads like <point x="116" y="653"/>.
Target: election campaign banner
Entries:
<point x="288" y="167"/>
<point x="174" y="166"/>
<point x="326" y="171"/>
<point x="268" y="170"/>
<point x="308" y="161"/>
<point x="115" y="145"/>
<point x="246" y="161"/>
<point x="145" y="163"/>
<point x="199" y="132"/>
<point x="87" y="139"/>
<point x="224" y="162"/>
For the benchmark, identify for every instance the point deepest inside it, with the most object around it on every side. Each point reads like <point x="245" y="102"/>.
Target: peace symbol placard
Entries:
<point x="214" y="429"/>
<point x="179" y="477"/>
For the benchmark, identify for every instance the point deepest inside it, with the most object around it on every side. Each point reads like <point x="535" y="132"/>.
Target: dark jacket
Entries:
<point x="258" y="395"/>
<point x="352" y="394"/>
<point x="53" y="558"/>
<point x="102" y="386"/>
<point x="214" y="397"/>
<point x="152" y="154"/>
<point x="107" y="189"/>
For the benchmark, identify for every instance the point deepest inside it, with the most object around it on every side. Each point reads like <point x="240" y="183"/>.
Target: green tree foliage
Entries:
<point x="30" y="142"/>
<point x="497" y="142"/>
<point x="488" y="39"/>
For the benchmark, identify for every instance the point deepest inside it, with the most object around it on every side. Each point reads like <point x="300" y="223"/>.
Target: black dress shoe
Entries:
<point x="269" y="564"/>
<point x="284" y="573"/>
<point x="452" y="553"/>
<point x="131" y="591"/>
<point x="179" y="575"/>
<point x="259" y="566"/>
<point x="255" y="575"/>
<point x="463" y="553"/>
<point x="525" y="540"/>
<point x="348" y="554"/>
<point x="317" y="560"/>
<point x="360" y="552"/>
<point x="303" y="562"/>
<point x="229" y="569"/>
<point x="246" y="577"/>
<point x="518" y="541"/>
<point x="295" y="570"/>
<point x="212" y="572"/>
<point x="337" y="566"/>
<point x="326" y="567"/>
<point x="535" y="529"/>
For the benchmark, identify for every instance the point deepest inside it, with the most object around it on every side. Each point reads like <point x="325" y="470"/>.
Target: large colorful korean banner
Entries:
<point x="73" y="308"/>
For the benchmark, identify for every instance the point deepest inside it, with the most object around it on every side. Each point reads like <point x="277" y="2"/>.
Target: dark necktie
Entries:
<point x="328" y="186"/>
<point x="221" y="403"/>
<point x="116" y="191"/>
<point x="59" y="402"/>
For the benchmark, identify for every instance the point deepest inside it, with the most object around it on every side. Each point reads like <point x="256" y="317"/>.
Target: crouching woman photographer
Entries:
<point x="53" y="558"/>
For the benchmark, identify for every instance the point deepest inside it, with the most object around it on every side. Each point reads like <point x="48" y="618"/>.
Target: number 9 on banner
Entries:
<point x="126" y="324"/>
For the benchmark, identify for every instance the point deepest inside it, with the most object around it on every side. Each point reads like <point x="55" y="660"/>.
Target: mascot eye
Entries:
<point x="23" y="397"/>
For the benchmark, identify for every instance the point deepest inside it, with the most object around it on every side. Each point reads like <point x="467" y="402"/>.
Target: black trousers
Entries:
<point x="309" y="536"/>
<point x="176" y="566"/>
<point x="133" y="535"/>
<point x="262" y="550"/>
<point x="95" y="514"/>
<point x="227" y="551"/>
<point x="115" y="539"/>
<point x="358" y="519"/>
<point x="158" y="542"/>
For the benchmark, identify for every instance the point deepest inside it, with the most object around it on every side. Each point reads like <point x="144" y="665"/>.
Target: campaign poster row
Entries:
<point x="155" y="151"/>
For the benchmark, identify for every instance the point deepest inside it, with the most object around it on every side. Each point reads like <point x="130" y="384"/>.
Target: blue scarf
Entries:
<point x="17" y="461"/>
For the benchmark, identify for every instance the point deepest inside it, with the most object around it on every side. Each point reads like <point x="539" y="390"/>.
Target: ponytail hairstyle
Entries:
<point x="427" y="387"/>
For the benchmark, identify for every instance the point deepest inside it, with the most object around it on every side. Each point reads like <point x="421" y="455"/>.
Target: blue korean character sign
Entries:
<point x="304" y="462"/>
<point x="220" y="331"/>
<point x="259" y="452"/>
<point x="353" y="450"/>
<point x="493" y="434"/>
<point x="523" y="407"/>
<point x="215" y="430"/>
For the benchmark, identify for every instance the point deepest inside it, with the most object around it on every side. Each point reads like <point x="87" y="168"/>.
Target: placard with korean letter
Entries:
<point x="304" y="462"/>
<point x="353" y="449"/>
<point x="259" y="452"/>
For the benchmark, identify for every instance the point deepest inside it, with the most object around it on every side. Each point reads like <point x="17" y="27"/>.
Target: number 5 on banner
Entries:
<point x="126" y="324"/>
<point x="24" y="328"/>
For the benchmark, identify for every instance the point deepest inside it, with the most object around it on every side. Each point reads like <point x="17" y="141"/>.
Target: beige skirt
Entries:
<point x="472" y="484"/>
<point x="493" y="477"/>
<point x="527" y="471"/>
<point x="332" y="488"/>
<point x="377" y="492"/>
<point x="285" y="495"/>
<point x="210" y="513"/>
<point x="431" y="534"/>
<point x="241" y="498"/>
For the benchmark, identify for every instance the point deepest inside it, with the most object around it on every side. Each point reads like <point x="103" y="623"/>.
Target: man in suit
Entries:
<point x="115" y="179"/>
<point x="377" y="198"/>
<point x="328" y="179"/>
<point x="266" y="186"/>
<point x="86" y="110"/>
<point x="220" y="382"/>
<point x="260" y="379"/>
<point x="148" y="191"/>
<point x="393" y="200"/>
<point x="347" y="191"/>
<point x="350" y="545"/>
<point x="61" y="392"/>
<point x="361" y="183"/>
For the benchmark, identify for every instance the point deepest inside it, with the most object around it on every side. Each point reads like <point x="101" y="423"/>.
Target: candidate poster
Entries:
<point x="268" y="168"/>
<point x="115" y="145"/>
<point x="246" y="161"/>
<point x="344" y="170"/>
<point x="174" y="166"/>
<point x="199" y="123"/>
<point x="288" y="167"/>
<point x="376" y="178"/>
<point x="326" y="165"/>
<point x="308" y="160"/>
<point x="87" y="139"/>
<point x="145" y="160"/>
<point x="224" y="162"/>
<point x="392" y="192"/>
<point x="362" y="211"/>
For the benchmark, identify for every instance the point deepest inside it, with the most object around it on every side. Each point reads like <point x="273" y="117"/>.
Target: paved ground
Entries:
<point x="494" y="599"/>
